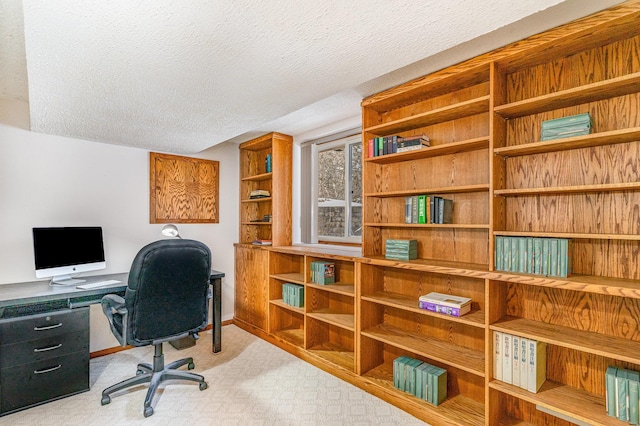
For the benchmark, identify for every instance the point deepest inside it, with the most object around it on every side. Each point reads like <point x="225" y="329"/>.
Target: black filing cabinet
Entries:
<point x="43" y="357"/>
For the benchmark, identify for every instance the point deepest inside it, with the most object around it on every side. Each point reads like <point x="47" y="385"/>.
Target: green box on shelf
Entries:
<point x="401" y="249"/>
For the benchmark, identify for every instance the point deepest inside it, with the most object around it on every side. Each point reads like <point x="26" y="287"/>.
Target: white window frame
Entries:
<point x="316" y="148"/>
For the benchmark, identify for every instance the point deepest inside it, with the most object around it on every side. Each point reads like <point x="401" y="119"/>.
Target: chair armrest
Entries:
<point x="112" y="304"/>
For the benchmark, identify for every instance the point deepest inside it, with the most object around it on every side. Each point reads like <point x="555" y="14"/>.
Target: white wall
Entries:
<point x="56" y="181"/>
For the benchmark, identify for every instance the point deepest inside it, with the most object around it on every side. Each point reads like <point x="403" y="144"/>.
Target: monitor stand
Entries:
<point x="65" y="280"/>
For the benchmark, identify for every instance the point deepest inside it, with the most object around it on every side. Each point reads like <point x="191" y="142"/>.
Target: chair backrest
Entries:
<point x="167" y="291"/>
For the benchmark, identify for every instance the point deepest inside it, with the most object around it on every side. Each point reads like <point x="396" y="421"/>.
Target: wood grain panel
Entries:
<point x="183" y="189"/>
<point x="251" y="285"/>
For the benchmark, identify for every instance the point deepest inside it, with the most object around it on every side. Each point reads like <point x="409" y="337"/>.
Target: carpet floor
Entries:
<point x="251" y="382"/>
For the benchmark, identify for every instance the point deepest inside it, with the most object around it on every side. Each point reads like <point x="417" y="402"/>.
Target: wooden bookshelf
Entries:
<point x="483" y="117"/>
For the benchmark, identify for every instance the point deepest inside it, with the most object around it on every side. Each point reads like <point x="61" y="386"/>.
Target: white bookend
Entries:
<point x="497" y="358"/>
<point x="537" y="365"/>
<point x="524" y="377"/>
<point x="507" y="358"/>
<point x="515" y="365"/>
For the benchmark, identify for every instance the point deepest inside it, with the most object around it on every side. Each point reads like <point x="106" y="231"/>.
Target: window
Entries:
<point x="337" y="190"/>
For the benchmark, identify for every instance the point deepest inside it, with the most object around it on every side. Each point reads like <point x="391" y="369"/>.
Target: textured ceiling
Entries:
<point x="182" y="76"/>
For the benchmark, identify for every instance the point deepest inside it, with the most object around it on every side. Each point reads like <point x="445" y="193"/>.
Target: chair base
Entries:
<point x="154" y="375"/>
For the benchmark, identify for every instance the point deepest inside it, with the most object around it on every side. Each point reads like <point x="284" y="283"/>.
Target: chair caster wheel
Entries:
<point x="105" y="400"/>
<point x="203" y="385"/>
<point x="148" y="411"/>
<point x="191" y="366"/>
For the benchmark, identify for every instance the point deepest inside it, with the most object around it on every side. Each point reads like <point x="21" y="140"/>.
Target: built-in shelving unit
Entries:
<point x="483" y="118"/>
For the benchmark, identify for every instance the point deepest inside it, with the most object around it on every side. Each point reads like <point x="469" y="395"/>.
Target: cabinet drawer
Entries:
<point x="41" y="349"/>
<point x="44" y="325"/>
<point x="42" y="381"/>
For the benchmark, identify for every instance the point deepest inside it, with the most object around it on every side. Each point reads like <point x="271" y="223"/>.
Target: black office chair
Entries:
<point x="166" y="299"/>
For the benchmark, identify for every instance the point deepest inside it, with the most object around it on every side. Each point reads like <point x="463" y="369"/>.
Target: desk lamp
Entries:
<point x="170" y="230"/>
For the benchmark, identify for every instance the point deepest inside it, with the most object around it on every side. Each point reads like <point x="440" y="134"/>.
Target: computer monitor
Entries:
<point x="63" y="252"/>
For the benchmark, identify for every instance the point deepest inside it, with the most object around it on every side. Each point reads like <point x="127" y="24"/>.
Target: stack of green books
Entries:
<point x="566" y="127"/>
<point x="323" y="272"/>
<point x="622" y="394"/>
<point x="293" y="294"/>
<point x="401" y="249"/>
<point x="420" y="379"/>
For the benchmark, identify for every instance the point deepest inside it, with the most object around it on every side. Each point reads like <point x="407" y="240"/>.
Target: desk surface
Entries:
<point x="41" y="291"/>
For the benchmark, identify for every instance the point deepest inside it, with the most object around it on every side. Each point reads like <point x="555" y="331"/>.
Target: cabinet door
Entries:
<point x="251" y="290"/>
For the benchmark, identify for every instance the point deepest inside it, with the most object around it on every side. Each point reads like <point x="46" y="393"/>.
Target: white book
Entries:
<point x="497" y="358"/>
<point x="515" y="365"/>
<point x="524" y="344"/>
<point x="537" y="365"/>
<point x="507" y="358"/>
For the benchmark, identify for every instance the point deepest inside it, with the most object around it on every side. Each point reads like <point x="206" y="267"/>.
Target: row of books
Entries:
<point x="265" y="219"/>
<point x="533" y="255"/>
<point x="392" y="144"/>
<point x="428" y="209"/>
<point x="259" y="193"/>
<point x="323" y="272"/>
<point x="420" y="379"/>
<point x="622" y="389"/>
<point x="566" y="127"/>
<point x="519" y="361"/>
<point x="401" y="249"/>
<point x="293" y="294"/>
<point x="445" y="304"/>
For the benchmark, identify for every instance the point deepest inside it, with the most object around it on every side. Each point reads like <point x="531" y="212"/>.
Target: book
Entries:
<point x="524" y="376"/>
<point x="567" y="121"/>
<point x="413" y="141"/>
<point x="398" y="371"/>
<point x="422" y="209"/>
<point x="370" y="150"/>
<point x="439" y="387"/>
<point x="498" y="253"/>
<point x="414" y="209"/>
<point x="610" y="390"/>
<point x="448" y="300"/>
<point x="554" y="263"/>
<point x="507" y="359"/>
<point x="506" y="254"/>
<point x="633" y="377"/>
<point x="259" y="242"/>
<point x="411" y="366"/>
<point x="407" y="209"/>
<point x="522" y="254"/>
<point x="622" y="390"/>
<point x="515" y="364"/>
<point x="544" y="260"/>
<point x="442" y="309"/>
<point x="259" y="193"/>
<point x="497" y="359"/>
<point x="421" y="380"/>
<point x="515" y="257"/>
<point x="537" y="256"/>
<point x="537" y="372"/>
<point x="445" y="211"/>
<point x="529" y="256"/>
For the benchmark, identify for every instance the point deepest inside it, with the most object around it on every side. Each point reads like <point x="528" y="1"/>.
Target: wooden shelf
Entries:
<point x="338" y="319"/>
<point x="453" y="355"/>
<point x="456" y="409"/>
<point x="433" y="266"/>
<point x="428" y="225"/>
<point x="346" y="289"/>
<point x="334" y="354"/>
<point x="256" y="200"/>
<point x="577" y="189"/>
<point x="293" y="277"/>
<point x="433" y="151"/>
<point x="579" y="95"/>
<point x="280" y="303"/>
<point x="580" y="235"/>
<point x="608" y="286"/>
<point x="459" y="110"/>
<point x="475" y="318"/>
<point x="566" y="337"/>
<point x="256" y="178"/>
<point x="440" y="190"/>
<point x="257" y="223"/>
<point x="577" y="142"/>
<point x="294" y="336"/>
<point x="563" y="399"/>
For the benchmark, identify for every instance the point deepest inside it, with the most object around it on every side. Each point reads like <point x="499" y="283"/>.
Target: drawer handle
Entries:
<point x="49" y="327"/>
<point x="50" y="348"/>
<point x="48" y="370"/>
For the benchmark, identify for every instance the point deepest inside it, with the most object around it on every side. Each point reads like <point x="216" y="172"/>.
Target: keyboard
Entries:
<point x="97" y="284"/>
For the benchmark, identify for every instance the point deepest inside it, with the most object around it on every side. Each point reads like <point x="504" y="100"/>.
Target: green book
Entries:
<point x="554" y="263"/>
<point x="522" y="254"/>
<point x="439" y="385"/>
<point x="544" y="264"/>
<point x="498" y="253"/>
<point x="537" y="256"/>
<point x="410" y="376"/>
<point x="622" y="395"/>
<point x="514" y="254"/>
<point x="610" y="390"/>
<point x="421" y="380"/>
<point x="633" y="378"/>
<point x="506" y="254"/>
<point x="529" y="256"/>
<point x="422" y="209"/>
<point x="398" y="370"/>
